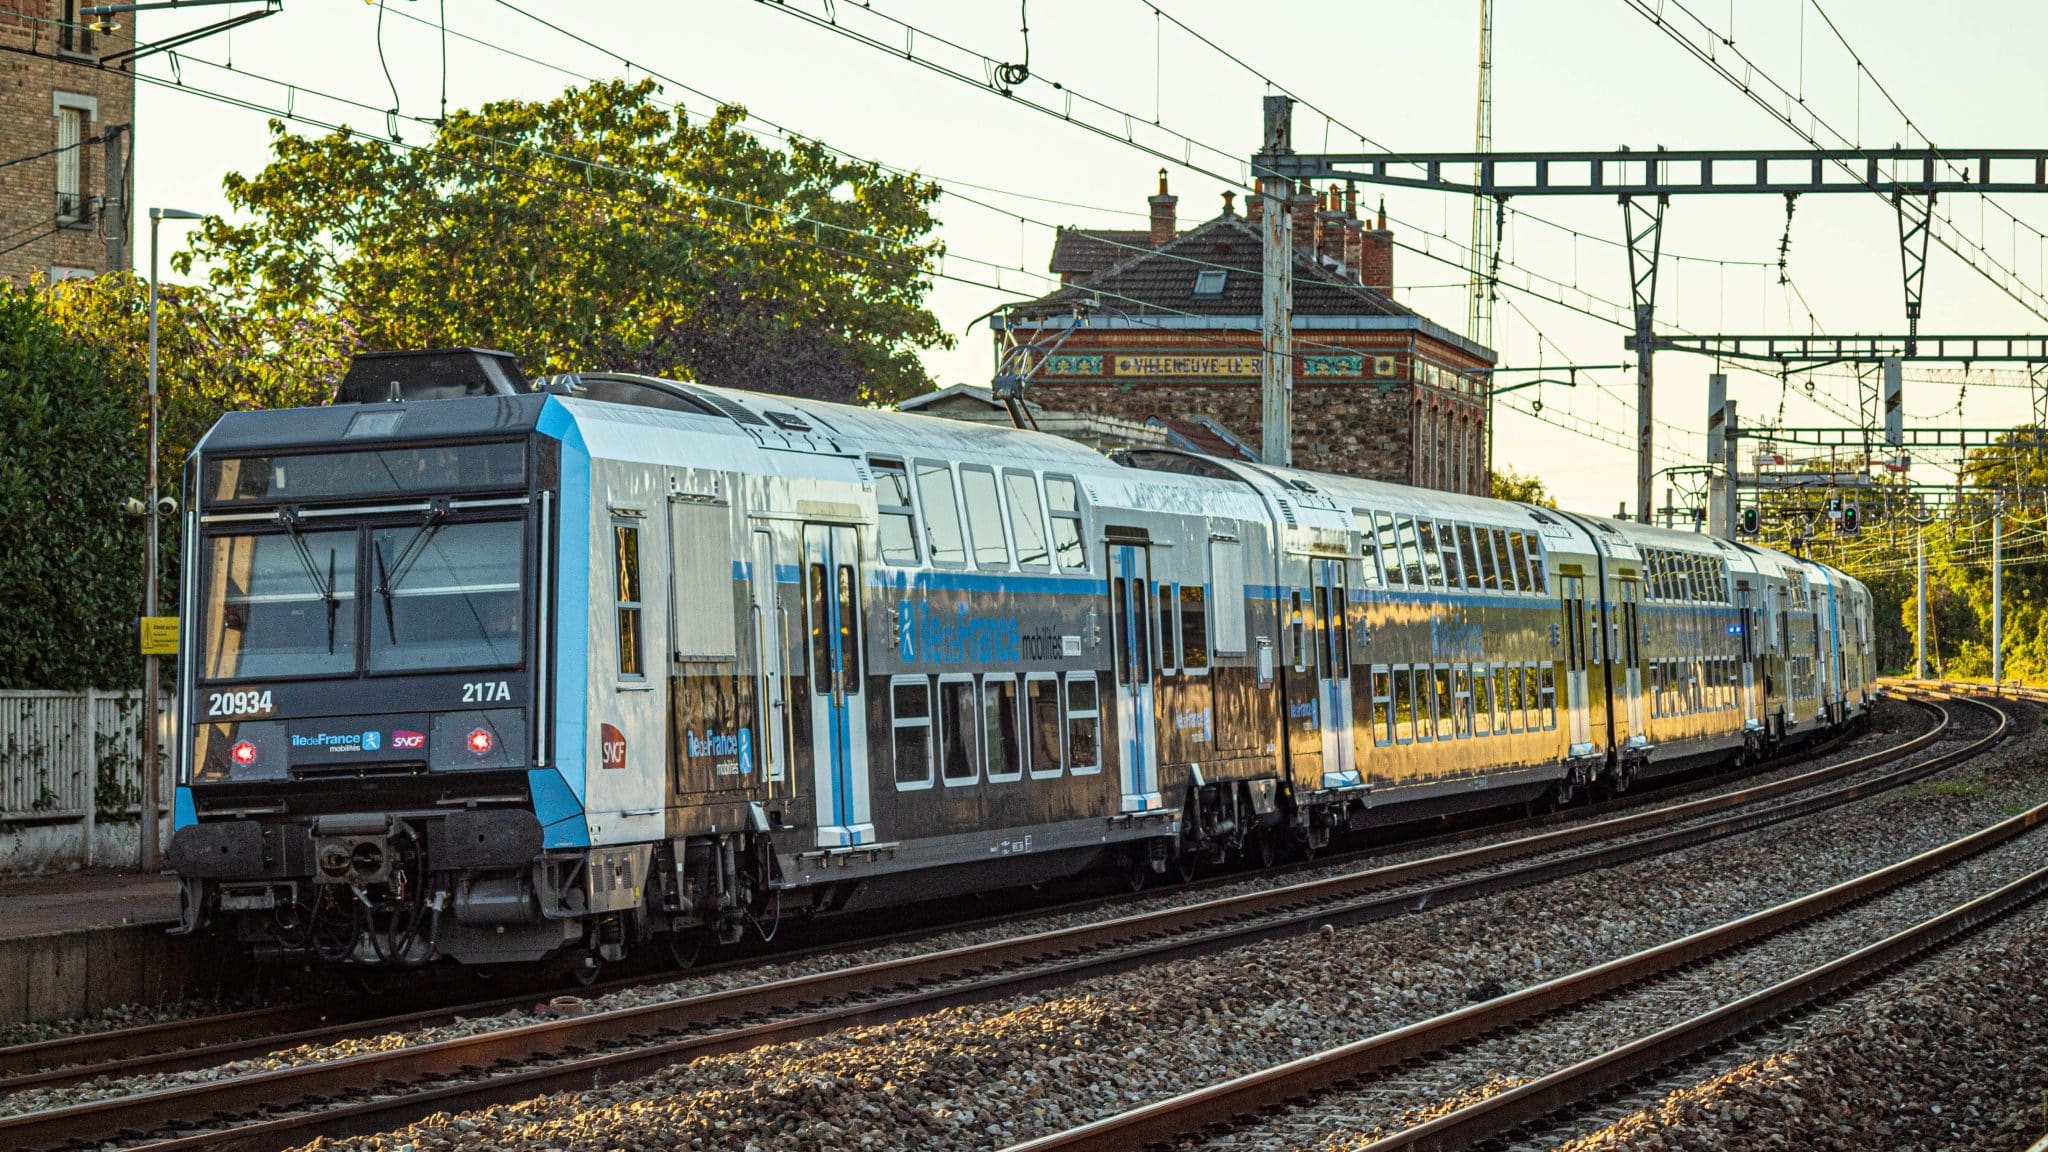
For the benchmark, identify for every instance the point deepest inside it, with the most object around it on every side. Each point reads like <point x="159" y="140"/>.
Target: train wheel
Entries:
<point x="1184" y="866"/>
<point x="585" y="969"/>
<point x="1263" y="851"/>
<point x="1137" y="872"/>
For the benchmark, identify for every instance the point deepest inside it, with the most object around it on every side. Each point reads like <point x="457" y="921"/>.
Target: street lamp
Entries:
<point x="151" y="791"/>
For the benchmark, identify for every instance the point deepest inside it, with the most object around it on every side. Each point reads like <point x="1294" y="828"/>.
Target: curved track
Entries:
<point x="377" y="1091"/>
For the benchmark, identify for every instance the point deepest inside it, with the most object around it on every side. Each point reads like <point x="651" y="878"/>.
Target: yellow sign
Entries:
<point x="159" y="635"/>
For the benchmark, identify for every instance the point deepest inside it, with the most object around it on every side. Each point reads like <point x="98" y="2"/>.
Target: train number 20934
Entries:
<point x="485" y="691"/>
<point x="238" y="703"/>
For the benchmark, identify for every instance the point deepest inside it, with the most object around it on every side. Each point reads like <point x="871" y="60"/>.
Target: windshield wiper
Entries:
<point x="289" y="517"/>
<point x="390" y="576"/>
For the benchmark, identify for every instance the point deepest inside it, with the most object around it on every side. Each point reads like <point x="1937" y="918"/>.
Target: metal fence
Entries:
<point x="71" y="756"/>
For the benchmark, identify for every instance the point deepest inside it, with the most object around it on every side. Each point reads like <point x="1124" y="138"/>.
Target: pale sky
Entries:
<point x="1569" y="74"/>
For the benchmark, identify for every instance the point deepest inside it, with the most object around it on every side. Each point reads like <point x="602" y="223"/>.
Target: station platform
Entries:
<point x="75" y="943"/>
<point x="93" y="898"/>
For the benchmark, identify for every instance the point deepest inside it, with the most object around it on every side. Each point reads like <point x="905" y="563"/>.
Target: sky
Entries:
<point x="1568" y="75"/>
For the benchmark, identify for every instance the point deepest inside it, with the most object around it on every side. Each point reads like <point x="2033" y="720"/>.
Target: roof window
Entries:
<point x="1209" y="281"/>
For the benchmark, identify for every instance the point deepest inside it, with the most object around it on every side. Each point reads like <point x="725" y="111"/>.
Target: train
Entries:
<point x="499" y="671"/>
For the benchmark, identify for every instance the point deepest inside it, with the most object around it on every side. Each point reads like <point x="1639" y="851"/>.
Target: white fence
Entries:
<point x="68" y="756"/>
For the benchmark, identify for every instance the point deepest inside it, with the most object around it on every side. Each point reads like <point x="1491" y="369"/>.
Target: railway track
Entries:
<point x="199" y="1042"/>
<point x="1240" y="1105"/>
<point x="379" y="1090"/>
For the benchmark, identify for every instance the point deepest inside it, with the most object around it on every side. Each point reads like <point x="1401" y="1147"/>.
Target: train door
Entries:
<point x="770" y="637"/>
<point x="1130" y="610"/>
<point x="1333" y="683"/>
<point x="1747" y="623"/>
<point x="1578" y="702"/>
<point x="1628" y="649"/>
<point x="838" y="708"/>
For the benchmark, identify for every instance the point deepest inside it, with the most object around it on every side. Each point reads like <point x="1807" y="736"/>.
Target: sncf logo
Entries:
<point x="400" y="738"/>
<point x="611" y="744"/>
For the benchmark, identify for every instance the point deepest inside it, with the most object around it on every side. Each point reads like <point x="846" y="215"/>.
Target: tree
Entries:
<point x="1513" y="485"/>
<point x="71" y="572"/>
<point x="598" y="230"/>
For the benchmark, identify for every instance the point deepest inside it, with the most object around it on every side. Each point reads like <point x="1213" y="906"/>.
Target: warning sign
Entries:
<point x="159" y="635"/>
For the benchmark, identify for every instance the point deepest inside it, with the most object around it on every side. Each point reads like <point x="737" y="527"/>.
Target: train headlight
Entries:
<point x="480" y="742"/>
<point x="243" y="753"/>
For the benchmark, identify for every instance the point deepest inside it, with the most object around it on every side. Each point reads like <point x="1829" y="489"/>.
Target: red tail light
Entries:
<point x="243" y="753"/>
<point x="480" y="742"/>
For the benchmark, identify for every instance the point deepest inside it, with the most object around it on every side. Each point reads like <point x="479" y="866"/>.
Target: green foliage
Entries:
<point x="598" y="230"/>
<point x="1513" y="485"/>
<point x="73" y="399"/>
<point x="70" y="574"/>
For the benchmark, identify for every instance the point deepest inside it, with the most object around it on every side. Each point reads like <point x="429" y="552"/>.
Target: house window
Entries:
<point x="71" y="208"/>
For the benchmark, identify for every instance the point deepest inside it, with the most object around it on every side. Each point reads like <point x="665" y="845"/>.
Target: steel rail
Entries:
<point x="394" y="1079"/>
<point x="1278" y="1086"/>
<point x="178" y="1045"/>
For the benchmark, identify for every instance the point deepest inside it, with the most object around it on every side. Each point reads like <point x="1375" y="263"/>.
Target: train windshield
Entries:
<point x="293" y="602"/>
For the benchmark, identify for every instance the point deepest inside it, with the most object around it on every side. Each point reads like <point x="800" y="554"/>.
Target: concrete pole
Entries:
<point x="1998" y="590"/>
<point x="1276" y="364"/>
<point x="1920" y="603"/>
<point x="150" y="861"/>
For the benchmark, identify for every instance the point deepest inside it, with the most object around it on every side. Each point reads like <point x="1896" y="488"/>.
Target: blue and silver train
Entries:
<point x="494" y="671"/>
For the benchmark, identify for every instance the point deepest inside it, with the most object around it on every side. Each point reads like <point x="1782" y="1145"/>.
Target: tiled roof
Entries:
<point x="1086" y="251"/>
<point x="1163" y="280"/>
<point x="1203" y="435"/>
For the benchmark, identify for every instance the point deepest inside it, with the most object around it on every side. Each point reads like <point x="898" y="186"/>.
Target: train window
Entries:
<point x="1169" y="629"/>
<point x="1084" y="725"/>
<point x="1511" y="692"/>
<point x="1656" y="678"/>
<point x="985" y="518"/>
<point x="267" y="615"/>
<point x="1493" y="692"/>
<point x="1447" y="538"/>
<point x="820" y="596"/>
<point x="1411" y="553"/>
<point x="1004" y="750"/>
<point x="1340" y="633"/>
<point x="958" y="730"/>
<point x="1368" y="551"/>
<point x="910" y="701"/>
<point x="1390" y="550"/>
<point x="1119" y="610"/>
<point x="1405" y="727"/>
<point x="1432" y="556"/>
<point x="1538" y="581"/>
<point x="1042" y="713"/>
<point x="1296" y="630"/>
<point x="1482" y="701"/>
<point x="1141" y="641"/>
<point x="1226" y="571"/>
<point x="1462" y="700"/>
<point x="1445" y="725"/>
<point x="1062" y="498"/>
<point x="1503" y="563"/>
<point x="1516" y="559"/>
<point x="1475" y="576"/>
<point x="1194" y="628"/>
<point x="1547" y="701"/>
<point x="898" y="519"/>
<point x="1382" y="706"/>
<point x="626" y="583"/>
<point x="942" y="535"/>
<point x="1320" y="605"/>
<point x="849" y="630"/>
<point x="1027" y="520"/>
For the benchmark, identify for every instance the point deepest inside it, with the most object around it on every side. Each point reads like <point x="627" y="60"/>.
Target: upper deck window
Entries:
<point x="898" y="517"/>
<point x="985" y="517"/>
<point x="376" y="472"/>
<point x="1063" y="499"/>
<point x="942" y="532"/>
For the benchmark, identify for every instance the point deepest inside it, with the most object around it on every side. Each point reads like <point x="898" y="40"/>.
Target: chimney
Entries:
<point x="1230" y="204"/>
<point x="1331" y="228"/>
<point x="1376" y="260"/>
<point x="1164" y="226"/>
<point x="1305" y="204"/>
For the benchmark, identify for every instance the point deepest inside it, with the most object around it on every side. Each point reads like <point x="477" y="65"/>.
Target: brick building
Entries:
<point x="1165" y="323"/>
<point x="65" y="142"/>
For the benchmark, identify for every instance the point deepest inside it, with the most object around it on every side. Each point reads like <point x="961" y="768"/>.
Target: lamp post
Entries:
<point x="151" y="783"/>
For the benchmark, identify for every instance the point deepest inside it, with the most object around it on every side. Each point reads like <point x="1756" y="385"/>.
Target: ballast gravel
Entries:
<point x="1890" y="724"/>
<point x="988" y="1076"/>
